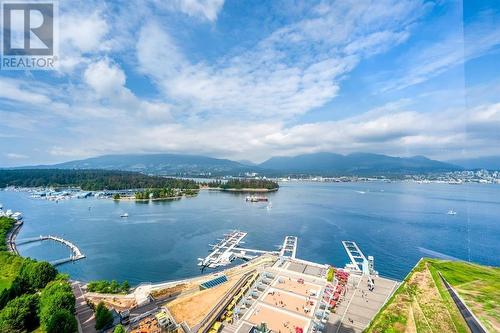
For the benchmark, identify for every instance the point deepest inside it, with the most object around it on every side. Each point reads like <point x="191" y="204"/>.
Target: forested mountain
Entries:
<point x="326" y="164"/>
<point x="161" y="164"/>
<point x="355" y="164"/>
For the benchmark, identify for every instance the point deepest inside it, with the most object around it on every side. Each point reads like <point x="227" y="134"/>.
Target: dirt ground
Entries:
<point x="167" y="292"/>
<point x="113" y="302"/>
<point x="193" y="308"/>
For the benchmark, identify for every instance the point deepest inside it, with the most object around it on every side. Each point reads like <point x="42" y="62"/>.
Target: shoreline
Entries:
<point x="145" y="200"/>
<point x="11" y="237"/>
<point x="242" y="190"/>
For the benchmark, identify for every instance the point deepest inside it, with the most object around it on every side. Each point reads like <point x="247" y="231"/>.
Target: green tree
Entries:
<point x="35" y="275"/>
<point x="61" y="321"/>
<point x="125" y="286"/>
<point x="103" y="317"/>
<point x="20" y="314"/>
<point x="116" y="196"/>
<point x="119" y="329"/>
<point x="114" y="287"/>
<point x="56" y="296"/>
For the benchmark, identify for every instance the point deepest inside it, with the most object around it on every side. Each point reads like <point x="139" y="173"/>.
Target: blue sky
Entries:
<point x="251" y="80"/>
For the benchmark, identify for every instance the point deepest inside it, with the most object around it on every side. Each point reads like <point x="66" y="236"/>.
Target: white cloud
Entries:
<point x="203" y="9"/>
<point x="15" y="156"/>
<point x="460" y="45"/>
<point x="295" y="69"/>
<point x="105" y="78"/>
<point x="18" y="91"/>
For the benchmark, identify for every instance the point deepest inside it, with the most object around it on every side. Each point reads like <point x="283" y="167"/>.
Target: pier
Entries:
<point x="76" y="254"/>
<point x="289" y="247"/>
<point x="228" y="249"/>
<point x="359" y="263"/>
<point x="222" y="252"/>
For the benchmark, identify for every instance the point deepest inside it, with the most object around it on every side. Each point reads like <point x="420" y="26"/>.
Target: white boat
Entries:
<point x="451" y="212"/>
<point x="124" y="215"/>
<point x="17" y="216"/>
<point x="256" y="198"/>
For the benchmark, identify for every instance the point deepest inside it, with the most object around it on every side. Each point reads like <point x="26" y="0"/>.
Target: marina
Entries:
<point x="76" y="254"/>
<point x="228" y="249"/>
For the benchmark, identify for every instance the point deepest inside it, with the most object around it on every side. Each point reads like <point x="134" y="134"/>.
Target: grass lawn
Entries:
<point x="422" y="303"/>
<point x="9" y="268"/>
<point x="478" y="286"/>
<point x="9" y="263"/>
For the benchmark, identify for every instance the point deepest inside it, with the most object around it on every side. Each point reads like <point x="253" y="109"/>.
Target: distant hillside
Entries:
<point x="326" y="164"/>
<point x="488" y="162"/>
<point x="357" y="163"/>
<point x="162" y="164"/>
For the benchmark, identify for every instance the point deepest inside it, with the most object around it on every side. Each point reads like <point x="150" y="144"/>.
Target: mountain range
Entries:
<point x="326" y="164"/>
<point x="486" y="162"/>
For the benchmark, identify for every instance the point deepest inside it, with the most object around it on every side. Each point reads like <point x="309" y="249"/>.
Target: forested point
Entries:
<point x="89" y="180"/>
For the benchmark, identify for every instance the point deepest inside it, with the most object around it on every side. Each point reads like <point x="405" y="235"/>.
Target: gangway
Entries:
<point x="76" y="254"/>
<point x="359" y="263"/>
<point x="289" y="247"/>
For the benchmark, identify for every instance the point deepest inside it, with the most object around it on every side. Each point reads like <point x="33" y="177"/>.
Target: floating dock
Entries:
<point x="228" y="249"/>
<point x="222" y="252"/>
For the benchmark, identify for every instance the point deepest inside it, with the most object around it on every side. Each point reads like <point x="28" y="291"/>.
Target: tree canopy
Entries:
<point x="107" y="287"/>
<point x="20" y="314"/>
<point x="103" y="317"/>
<point x="55" y="297"/>
<point x="89" y="180"/>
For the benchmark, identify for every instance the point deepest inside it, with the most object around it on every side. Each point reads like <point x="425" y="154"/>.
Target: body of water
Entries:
<point x="397" y="223"/>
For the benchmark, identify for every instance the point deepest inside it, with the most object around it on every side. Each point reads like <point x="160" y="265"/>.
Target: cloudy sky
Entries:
<point x="250" y="80"/>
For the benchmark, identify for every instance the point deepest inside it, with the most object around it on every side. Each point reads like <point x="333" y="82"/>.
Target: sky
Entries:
<point x="248" y="80"/>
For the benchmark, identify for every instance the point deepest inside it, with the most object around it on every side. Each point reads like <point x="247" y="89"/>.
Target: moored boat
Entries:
<point x="256" y="198"/>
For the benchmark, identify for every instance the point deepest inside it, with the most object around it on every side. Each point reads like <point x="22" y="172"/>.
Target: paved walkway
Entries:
<point x="84" y="314"/>
<point x="359" y="305"/>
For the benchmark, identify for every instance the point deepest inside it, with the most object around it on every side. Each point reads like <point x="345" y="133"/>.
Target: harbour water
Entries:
<point x="396" y="222"/>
